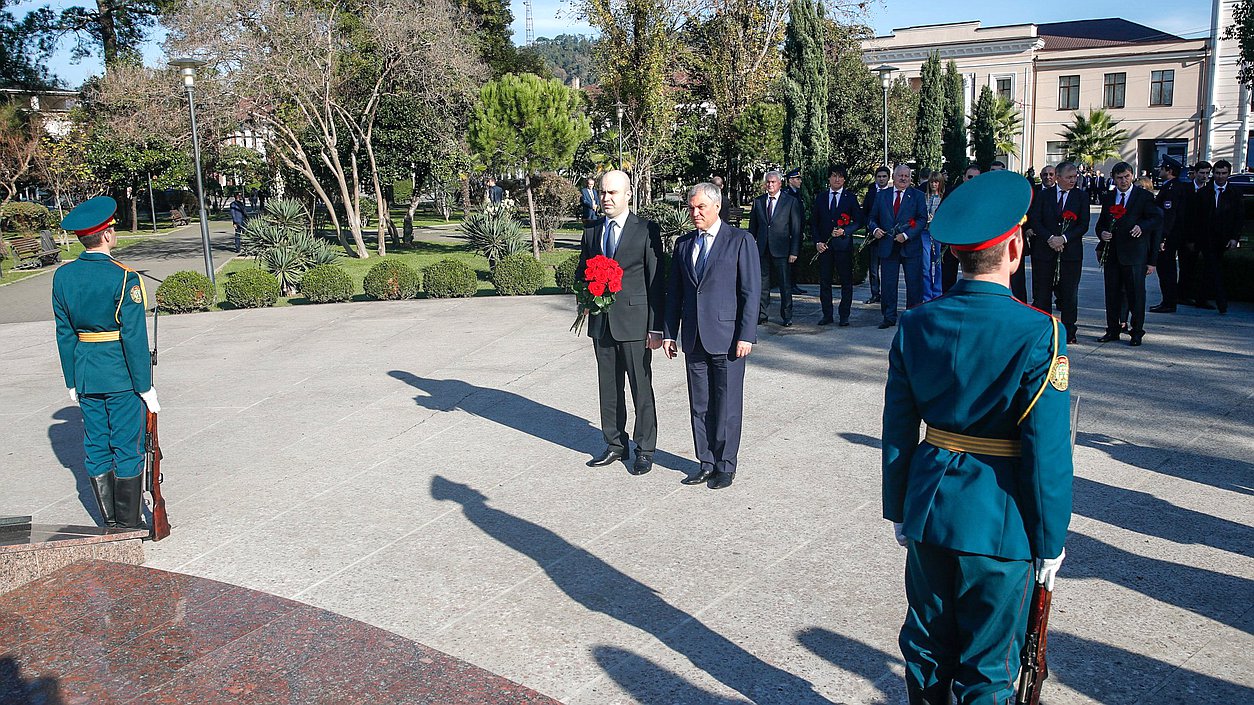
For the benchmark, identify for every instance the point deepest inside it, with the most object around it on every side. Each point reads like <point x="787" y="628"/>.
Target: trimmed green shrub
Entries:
<point x="326" y="284"/>
<point x="25" y="217"/>
<point x="450" y="278"/>
<point x="565" y="274"/>
<point x="518" y="275"/>
<point x="392" y="279"/>
<point x="252" y="288"/>
<point x="185" y="291"/>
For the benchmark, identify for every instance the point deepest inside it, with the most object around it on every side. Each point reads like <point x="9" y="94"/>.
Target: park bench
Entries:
<point x="178" y="217"/>
<point x="34" y="252"/>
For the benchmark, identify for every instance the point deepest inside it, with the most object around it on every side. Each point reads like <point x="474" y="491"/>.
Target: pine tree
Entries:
<point x="931" y="116"/>
<point x="983" y="129"/>
<point x="954" y="137"/>
<point x="806" y="139"/>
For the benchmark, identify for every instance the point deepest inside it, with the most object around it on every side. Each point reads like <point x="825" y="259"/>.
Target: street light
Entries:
<point x="884" y="70"/>
<point x="619" y="107"/>
<point x="187" y="68"/>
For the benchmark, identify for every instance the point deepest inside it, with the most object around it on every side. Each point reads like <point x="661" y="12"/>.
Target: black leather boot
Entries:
<point x="102" y="487"/>
<point x="128" y="498"/>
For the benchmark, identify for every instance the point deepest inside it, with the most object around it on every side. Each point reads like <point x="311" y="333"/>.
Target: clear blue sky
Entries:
<point x="552" y="17"/>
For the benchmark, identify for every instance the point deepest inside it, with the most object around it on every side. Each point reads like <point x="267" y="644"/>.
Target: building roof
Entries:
<point x="1112" y="31"/>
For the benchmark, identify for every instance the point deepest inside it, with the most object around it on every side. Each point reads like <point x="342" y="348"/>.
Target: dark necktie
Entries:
<point x="770" y="208"/>
<point x="702" y="253"/>
<point x="611" y="238"/>
<point x="1122" y="197"/>
<point x="1218" y="194"/>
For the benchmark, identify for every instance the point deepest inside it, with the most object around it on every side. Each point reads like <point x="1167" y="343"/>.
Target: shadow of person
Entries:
<point x="600" y="587"/>
<point x="17" y="690"/>
<point x="1224" y="473"/>
<point x="649" y="683"/>
<point x="861" y="439"/>
<point x="66" y="439"/>
<point x="521" y="414"/>
<point x="853" y="656"/>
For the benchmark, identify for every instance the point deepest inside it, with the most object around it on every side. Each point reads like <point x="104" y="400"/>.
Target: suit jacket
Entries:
<point x="1214" y="224"/>
<point x="868" y="202"/>
<point x="239" y="216"/>
<point x="722" y="308"/>
<point x="588" y="199"/>
<point x="1141" y="211"/>
<point x="1173" y="200"/>
<point x="913" y="208"/>
<point x="780" y="234"/>
<point x="639" y="307"/>
<point x="825" y="220"/>
<point x="1045" y="221"/>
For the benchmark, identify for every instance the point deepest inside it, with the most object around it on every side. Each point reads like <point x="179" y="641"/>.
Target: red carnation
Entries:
<point x="911" y="222"/>
<point x="843" y="220"/>
<point x="1117" y="212"/>
<point x="1069" y="216"/>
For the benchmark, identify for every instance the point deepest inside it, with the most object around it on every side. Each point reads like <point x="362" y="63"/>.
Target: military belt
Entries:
<point x="107" y="336"/>
<point x="959" y="443"/>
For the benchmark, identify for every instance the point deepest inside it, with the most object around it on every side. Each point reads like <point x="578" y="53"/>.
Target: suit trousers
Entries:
<point x="949" y="271"/>
<point x="840" y="264"/>
<point x="965" y="626"/>
<point x="716" y="386"/>
<point x="1212" y="285"/>
<point x="1125" y="283"/>
<point x="783" y="278"/>
<point x="1067" y="290"/>
<point x="873" y="273"/>
<point x="631" y="360"/>
<point x="1171" y="281"/>
<point x="1190" y="274"/>
<point x="113" y="433"/>
<point x="890" y="270"/>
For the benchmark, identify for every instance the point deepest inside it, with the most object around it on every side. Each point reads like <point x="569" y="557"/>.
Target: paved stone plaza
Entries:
<point x="419" y="466"/>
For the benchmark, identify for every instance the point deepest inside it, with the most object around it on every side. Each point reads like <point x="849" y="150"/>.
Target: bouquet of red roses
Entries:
<point x="1116" y="212"/>
<point x="602" y="278"/>
<point x="1068" y="217"/>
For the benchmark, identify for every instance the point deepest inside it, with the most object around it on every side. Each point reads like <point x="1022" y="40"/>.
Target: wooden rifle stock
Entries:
<point x="1033" y="671"/>
<point x="152" y="466"/>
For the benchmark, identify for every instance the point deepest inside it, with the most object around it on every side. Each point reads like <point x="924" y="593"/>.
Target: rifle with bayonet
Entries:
<point x="152" y="447"/>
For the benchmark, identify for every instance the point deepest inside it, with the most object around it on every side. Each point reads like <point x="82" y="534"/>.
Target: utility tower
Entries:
<point x="531" y="24"/>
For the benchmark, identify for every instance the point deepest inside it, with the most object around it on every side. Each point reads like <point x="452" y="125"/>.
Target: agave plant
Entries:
<point x="494" y="234"/>
<point x="672" y="221"/>
<point x="281" y="241"/>
<point x="286" y="264"/>
<point x="286" y="214"/>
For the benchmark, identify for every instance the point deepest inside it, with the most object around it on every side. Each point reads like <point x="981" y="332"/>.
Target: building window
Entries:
<point x="1055" y="152"/>
<point x="1112" y="95"/>
<point x="1068" y="92"/>
<point x="1162" y="85"/>
<point x="1006" y="88"/>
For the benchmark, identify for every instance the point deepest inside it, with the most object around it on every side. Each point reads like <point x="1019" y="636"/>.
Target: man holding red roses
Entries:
<point x="837" y="216"/>
<point x="624" y="335"/>
<point x="1059" y="217"/>
<point x="1127" y="228"/>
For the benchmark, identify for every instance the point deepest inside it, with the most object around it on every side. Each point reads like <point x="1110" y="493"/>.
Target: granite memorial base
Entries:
<point x="30" y="551"/>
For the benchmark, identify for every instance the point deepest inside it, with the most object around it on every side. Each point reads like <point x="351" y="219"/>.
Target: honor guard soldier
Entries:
<point x="99" y="306"/>
<point x="987" y="492"/>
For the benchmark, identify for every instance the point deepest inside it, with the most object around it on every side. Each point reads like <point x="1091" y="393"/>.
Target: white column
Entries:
<point x="1212" y="81"/>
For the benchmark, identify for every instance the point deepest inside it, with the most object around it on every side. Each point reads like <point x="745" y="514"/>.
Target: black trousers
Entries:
<point x="1067" y="290"/>
<point x="1019" y="281"/>
<point x="873" y="273"/>
<point x="1212" y="286"/>
<point x="783" y="278"/>
<point x="949" y="271"/>
<point x="1169" y="276"/>
<point x="841" y="264"/>
<point x="1124" y="283"/>
<point x="716" y="386"/>
<point x="629" y="361"/>
<point x="1190" y="274"/>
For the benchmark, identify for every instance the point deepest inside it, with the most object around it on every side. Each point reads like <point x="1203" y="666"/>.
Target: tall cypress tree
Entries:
<point x="806" y="139"/>
<point x="931" y="116"/>
<point x="984" y="129"/>
<point x="955" y="133"/>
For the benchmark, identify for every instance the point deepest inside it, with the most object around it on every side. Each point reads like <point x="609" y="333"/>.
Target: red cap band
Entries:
<point x="988" y="243"/>
<point x="98" y="229"/>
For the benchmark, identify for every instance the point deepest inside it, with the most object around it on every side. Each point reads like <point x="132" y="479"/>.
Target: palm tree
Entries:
<point x="1007" y="125"/>
<point x="1095" y="138"/>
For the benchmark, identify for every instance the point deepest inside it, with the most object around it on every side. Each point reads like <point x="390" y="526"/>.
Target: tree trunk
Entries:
<point x="134" y="212"/>
<point x="531" y="209"/>
<point x="108" y="31"/>
<point x="465" y="179"/>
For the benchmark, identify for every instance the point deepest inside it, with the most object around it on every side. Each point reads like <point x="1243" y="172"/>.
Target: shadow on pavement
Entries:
<point x="66" y="439"/>
<point x="1224" y="473"/>
<point x="851" y="655"/>
<point x="600" y="587"/>
<point x="16" y="690"/>
<point x="649" y="683"/>
<point x="524" y="415"/>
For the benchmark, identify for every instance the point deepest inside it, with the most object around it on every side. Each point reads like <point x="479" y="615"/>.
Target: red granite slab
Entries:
<point x="102" y="633"/>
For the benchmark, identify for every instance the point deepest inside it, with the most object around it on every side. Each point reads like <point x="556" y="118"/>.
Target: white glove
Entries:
<point x="899" y="535"/>
<point x="1047" y="568"/>
<point x="150" y="398"/>
<point x="73" y="395"/>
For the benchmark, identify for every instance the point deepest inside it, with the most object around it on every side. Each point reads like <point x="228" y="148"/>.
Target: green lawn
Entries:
<point x="67" y="253"/>
<point x="420" y="255"/>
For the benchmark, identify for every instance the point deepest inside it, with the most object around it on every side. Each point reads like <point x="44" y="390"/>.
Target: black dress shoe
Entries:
<point x="761" y="320"/>
<point x="707" y="471"/>
<point x="799" y="290"/>
<point x="872" y="300"/>
<point x="1108" y="338"/>
<point x="1204" y="305"/>
<point x="1162" y="308"/>
<point x="787" y="323"/>
<point x="721" y="480"/>
<point x="886" y="324"/>
<point x="1072" y="340"/>
<point x="844" y="324"/>
<point x="609" y="457"/>
<point x="825" y="321"/>
<point x="1125" y="329"/>
<point x="1136" y="341"/>
<point x="643" y="464"/>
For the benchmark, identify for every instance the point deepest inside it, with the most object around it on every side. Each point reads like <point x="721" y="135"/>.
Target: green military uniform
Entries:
<point x="102" y="339"/>
<point x="988" y="488"/>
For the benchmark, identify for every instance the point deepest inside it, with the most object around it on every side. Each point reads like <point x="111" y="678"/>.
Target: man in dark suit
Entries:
<point x="1221" y="214"/>
<point x="883" y="175"/>
<point x="775" y="222"/>
<point x="1201" y="191"/>
<point x="836" y="217"/>
<point x="897" y="220"/>
<point x="624" y="337"/>
<point x="1133" y="249"/>
<point x="712" y="310"/>
<point x="239" y="218"/>
<point x="588" y="200"/>
<point x="1059" y="217"/>
<point x="1173" y="198"/>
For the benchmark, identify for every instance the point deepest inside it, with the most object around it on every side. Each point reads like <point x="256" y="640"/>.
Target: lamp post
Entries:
<point x="885" y="71"/>
<point x="187" y="68"/>
<point x="619" y="107"/>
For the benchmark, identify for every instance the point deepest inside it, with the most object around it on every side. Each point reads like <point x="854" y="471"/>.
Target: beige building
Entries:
<point x="1155" y="83"/>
